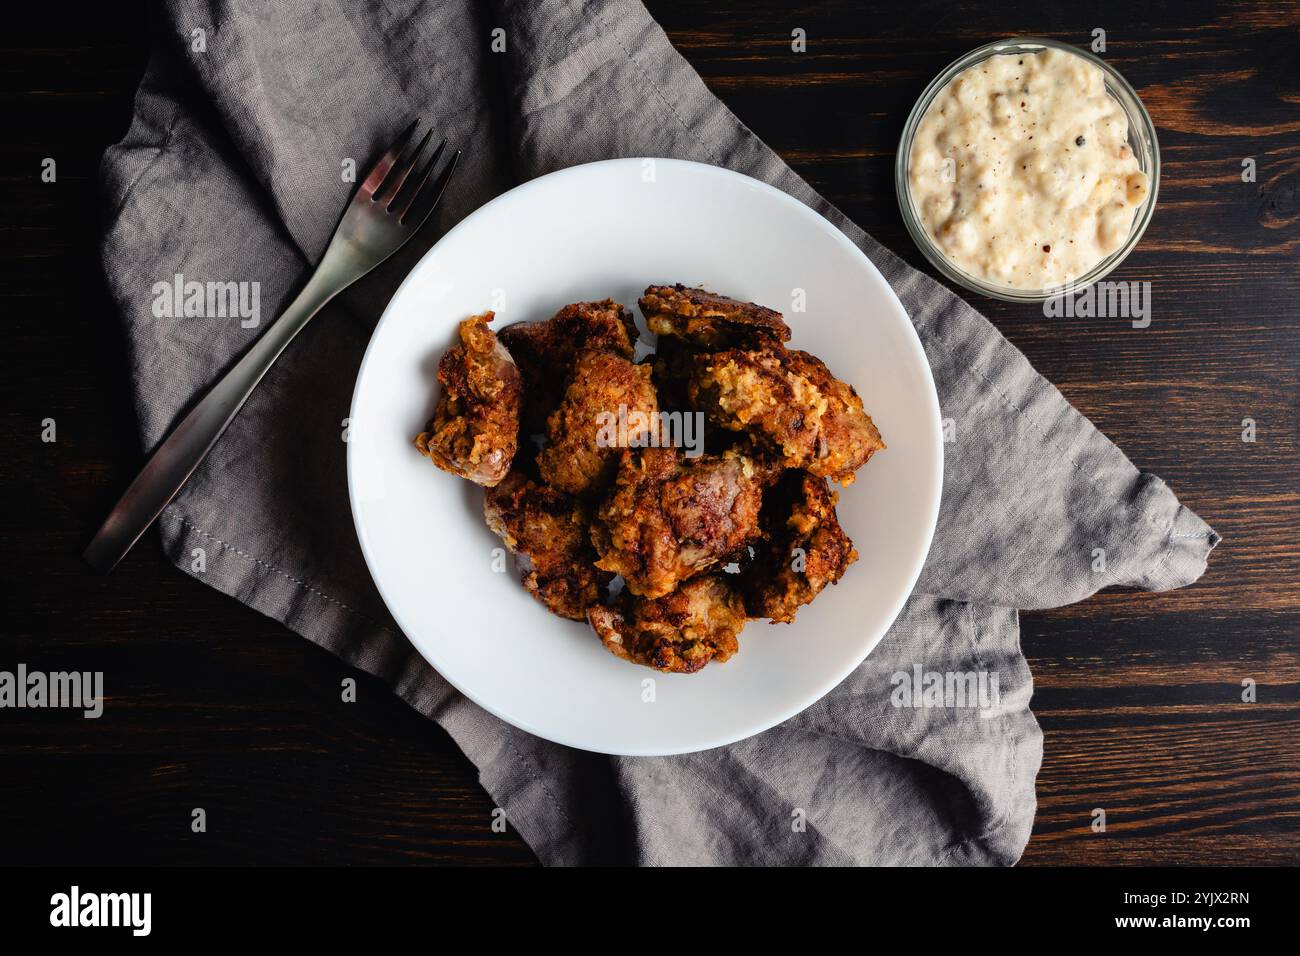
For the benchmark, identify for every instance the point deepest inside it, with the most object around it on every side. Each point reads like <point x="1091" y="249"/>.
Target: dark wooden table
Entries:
<point x="214" y="706"/>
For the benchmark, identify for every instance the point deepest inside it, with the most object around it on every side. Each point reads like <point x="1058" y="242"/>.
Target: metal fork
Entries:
<point x="384" y="213"/>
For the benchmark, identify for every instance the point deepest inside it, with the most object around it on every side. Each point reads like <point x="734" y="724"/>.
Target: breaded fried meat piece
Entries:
<point x="545" y="350"/>
<point x="549" y="531"/>
<point x="806" y="549"/>
<point x="710" y="321"/>
<point x="790" y="401"/>
<point x="679" y="632"/>
<point x="609" y="404"/>
<point x="475" y="426"/>
<point x="668" y="518"/>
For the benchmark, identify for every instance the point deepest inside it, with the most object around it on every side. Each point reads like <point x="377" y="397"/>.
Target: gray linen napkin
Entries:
<point x="231" y="171"/>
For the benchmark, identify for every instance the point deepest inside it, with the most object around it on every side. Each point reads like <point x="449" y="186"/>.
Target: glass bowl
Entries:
<point x="1141" y="138"/>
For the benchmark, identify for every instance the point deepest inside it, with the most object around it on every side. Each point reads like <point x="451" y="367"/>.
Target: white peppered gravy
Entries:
<point x="1021" y="170"/>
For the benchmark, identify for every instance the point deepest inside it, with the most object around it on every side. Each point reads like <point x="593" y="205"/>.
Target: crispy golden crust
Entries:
<point x="549" y="530"/>
<point x="672" y="362"/>
<point x="608" y="405"/>
<point x="790" y="401"/>
<point x="806" y="549"/>
<point x="680" y="632"/>
<point x="848" y="435"/>
<point x="475" y="425"/>
<point x="668" y="518"/>
<point x="545" y="350"/>
<point x="710" y="321"/>
<point x="752" y="392"/>
<point x="600" y="500"/>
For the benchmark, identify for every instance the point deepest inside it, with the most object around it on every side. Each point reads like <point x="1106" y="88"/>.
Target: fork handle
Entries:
<point x="172" y="463"/>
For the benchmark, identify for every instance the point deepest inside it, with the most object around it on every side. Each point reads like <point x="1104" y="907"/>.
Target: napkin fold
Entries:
<point x="235" y="169"/>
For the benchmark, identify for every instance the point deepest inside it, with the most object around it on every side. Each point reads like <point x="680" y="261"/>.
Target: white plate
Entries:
<point x="611" y="229"/>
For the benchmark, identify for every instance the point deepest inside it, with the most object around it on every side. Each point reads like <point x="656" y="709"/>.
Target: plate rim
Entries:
<point x="914" y="343"/>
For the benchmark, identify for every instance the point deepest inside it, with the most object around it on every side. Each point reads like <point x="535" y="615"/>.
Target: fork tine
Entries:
<point x="420" y="180"/>
<point x="379" y="172"/>
<point x="436" y="190"/>
<point x="393" y="184"/>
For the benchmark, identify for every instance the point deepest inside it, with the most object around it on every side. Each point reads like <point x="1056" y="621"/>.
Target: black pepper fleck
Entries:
<point x="1079" y="141"/>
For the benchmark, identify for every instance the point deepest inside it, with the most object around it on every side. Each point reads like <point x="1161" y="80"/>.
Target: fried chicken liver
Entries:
<point x="668" y="518"/>
<point x="475" y="425"/>
<point x="805" y="551"/>
<point x="549" y="531"/>
<point x="545" y="350"/>
<point x="790" y="401"/>
<point x="710" y="321"/>
<point x="609" y="404"/>
<point x="679" y="632"/>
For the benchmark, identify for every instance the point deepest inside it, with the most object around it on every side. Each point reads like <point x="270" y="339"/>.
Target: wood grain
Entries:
<point x="1138" y="694"/>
